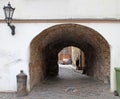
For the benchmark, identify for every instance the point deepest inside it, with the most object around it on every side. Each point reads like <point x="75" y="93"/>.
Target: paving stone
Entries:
<point x="70" y="84"/>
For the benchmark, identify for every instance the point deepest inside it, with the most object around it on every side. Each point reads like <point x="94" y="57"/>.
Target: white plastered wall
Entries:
<point x="62" y="9"/>
<point x="14" y="50"/>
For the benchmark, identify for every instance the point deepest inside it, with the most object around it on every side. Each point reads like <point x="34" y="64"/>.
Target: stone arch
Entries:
<point x="45" y="47"/>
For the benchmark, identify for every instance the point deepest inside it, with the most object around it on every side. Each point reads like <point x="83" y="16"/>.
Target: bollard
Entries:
<point x="21" y="84"/>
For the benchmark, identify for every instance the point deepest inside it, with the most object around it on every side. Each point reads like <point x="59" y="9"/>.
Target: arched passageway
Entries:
<point x="45" y="47"/>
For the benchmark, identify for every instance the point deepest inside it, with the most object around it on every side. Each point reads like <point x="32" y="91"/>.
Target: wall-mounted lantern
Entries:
<point x="8" y="10"/>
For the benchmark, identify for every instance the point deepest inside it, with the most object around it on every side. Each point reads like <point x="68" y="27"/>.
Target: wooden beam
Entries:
<point x="64" y="21"/>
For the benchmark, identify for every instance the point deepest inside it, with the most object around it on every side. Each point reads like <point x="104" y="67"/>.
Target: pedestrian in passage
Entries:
<point x="77" y="63"/>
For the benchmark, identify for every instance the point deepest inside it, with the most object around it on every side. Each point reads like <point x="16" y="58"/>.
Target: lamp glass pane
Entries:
<point x="11" y="13"/>
<point x="7" y="12"/>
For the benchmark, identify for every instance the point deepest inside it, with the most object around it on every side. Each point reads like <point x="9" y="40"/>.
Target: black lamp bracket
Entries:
<point x="12" y="27"/>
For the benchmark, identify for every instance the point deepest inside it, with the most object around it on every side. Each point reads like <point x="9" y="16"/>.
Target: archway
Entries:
<point x="45" y="47"/>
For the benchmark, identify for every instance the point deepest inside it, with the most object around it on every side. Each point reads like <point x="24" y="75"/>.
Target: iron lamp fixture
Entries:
<point x="8" y="11"/>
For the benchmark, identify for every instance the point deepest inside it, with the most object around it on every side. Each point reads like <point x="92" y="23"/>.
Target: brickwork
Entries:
<point x="45" y="47"/>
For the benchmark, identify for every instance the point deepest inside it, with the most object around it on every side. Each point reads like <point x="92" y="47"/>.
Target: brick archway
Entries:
<point x="45" y="47"/>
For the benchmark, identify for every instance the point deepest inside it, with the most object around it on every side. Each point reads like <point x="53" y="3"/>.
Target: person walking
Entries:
<point x="77" y="63"/>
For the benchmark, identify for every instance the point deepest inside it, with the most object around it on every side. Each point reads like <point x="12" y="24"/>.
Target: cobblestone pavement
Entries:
<point x="70" y="84"/>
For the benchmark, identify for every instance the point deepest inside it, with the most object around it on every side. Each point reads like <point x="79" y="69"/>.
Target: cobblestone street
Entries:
<point x="70" y="84"/>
